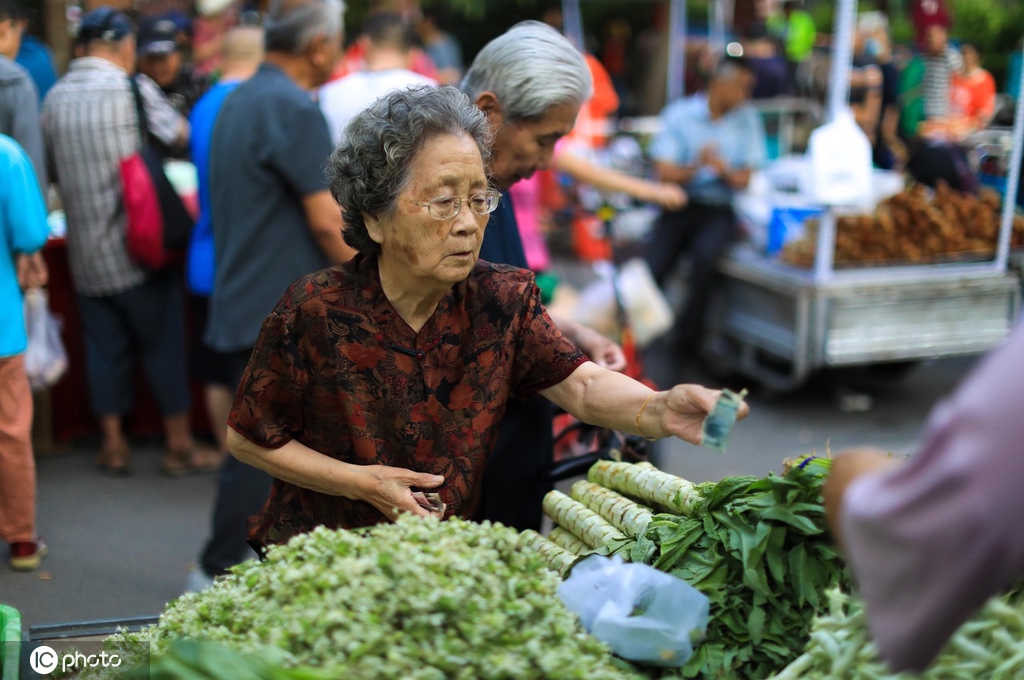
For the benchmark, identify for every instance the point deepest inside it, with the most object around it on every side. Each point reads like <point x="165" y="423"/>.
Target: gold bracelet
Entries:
<point x="640" y="413"/>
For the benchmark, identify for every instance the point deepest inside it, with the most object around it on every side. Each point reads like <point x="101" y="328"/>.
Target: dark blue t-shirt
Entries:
<point x="502" y="242"/>
<point x="270" y="143"/>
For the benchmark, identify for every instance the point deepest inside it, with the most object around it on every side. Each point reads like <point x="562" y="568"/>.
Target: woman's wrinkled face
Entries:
<point x="426" y="248"/>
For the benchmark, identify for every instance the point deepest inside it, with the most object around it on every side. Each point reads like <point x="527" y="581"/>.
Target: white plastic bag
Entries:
<point x="45" y="358"/>
<point x="642" y="614"/>
<point x="650" y="315"/>
<point x="647" y="312"/>
<point x="841" y="163"/>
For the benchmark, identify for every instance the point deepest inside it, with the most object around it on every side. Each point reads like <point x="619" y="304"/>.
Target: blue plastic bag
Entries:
<point x="642" y="614"/>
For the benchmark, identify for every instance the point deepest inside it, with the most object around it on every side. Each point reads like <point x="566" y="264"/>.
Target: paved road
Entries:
<point x="123" y="547"/>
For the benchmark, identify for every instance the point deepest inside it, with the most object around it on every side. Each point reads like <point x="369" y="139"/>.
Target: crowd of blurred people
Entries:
<point x="257" y="106"/>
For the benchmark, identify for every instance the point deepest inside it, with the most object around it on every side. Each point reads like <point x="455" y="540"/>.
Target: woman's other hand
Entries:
<point x="602" y="351"/>
<point x="390" y="489"/>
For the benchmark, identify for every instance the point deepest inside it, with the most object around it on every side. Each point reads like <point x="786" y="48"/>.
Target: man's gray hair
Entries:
<point x="530" y="68"/>
<point x="373" y="164"/>
<point x="290" y="26"/>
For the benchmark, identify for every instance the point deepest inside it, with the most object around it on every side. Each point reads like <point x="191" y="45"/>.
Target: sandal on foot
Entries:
<point x="116" y="462"/>
<point x="176" y="464"/>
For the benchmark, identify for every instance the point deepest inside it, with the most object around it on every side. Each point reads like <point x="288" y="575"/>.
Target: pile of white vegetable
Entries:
<point x="418" y="599"/>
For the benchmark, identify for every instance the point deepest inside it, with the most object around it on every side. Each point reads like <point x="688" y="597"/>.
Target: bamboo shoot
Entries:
<point x="645" y="483"/>
<point x="627" y="515"/>
<point x="556" y="557"/>
<point x="564" y="538"/>
<point x="595" y="530"/>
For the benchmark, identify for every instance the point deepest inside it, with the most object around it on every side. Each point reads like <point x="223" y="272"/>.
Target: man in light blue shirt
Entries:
<point x="709" y="143"/>
<point x="23" y="231"/>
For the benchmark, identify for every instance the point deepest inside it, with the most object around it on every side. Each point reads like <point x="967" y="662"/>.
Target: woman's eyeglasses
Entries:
<point x="447" y="207"/>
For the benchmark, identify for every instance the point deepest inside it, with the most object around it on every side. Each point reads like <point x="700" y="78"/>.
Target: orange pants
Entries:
<point x="17" y="464"/>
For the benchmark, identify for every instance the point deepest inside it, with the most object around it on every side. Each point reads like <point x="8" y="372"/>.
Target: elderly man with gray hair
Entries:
<point x="273" y="218"/>
<point x="530" y="82"/>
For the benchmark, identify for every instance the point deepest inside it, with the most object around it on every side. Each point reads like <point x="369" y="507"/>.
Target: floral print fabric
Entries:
<point x="337" y="369"/>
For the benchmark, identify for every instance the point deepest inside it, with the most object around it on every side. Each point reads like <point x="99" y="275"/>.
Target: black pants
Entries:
<point x="145" y="323"/>
<point x="705" y="231"/>
<point x="242" y="490"/>
<point x="513" y="491"/>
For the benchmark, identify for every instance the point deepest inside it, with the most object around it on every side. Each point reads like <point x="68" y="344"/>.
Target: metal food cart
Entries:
<point x="778" y="323"/>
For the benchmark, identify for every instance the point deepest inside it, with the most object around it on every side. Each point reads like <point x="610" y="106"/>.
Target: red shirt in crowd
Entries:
<point x="973" y="96"/>
<point x="337" y="368"/>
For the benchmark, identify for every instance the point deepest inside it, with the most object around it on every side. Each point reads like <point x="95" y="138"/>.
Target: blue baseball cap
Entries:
<point x="157" y="35"/>
<point x="104" y="23"/>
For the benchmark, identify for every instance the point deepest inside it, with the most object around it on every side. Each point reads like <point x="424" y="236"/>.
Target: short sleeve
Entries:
<point x="301" y="148"/>
<point x="755" y="153"/>
<point x="666" y="145"/>
<point x="544" y="356"/>
<point x="22" y="214"/>
<point x="268" y="408"/>
<point x="163" y="119"/>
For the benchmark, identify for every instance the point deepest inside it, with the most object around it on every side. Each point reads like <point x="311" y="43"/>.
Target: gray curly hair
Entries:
<point x="373" y="164"/>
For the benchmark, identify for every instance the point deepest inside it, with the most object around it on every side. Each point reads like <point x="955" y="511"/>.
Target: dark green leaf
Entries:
<point x="783" y="514"/>
<point x="755" y="623"/>
<point x="774" y="554"/>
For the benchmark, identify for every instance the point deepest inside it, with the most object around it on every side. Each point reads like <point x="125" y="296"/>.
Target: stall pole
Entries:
<point x="842" y="57"/>
<point x="1012" y="182"/>
<point x="572" y="24"/>
<point x="716" y="19"/>
<point x="676" y="51"/>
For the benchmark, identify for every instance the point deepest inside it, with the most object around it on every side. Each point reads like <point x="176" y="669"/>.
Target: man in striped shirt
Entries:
<point x="925" y="83"/>
<point x="128" y="313"/>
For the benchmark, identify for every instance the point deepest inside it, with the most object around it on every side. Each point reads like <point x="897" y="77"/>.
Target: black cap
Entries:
<point x="104" y="23"/>
<point x="157" y="35"/>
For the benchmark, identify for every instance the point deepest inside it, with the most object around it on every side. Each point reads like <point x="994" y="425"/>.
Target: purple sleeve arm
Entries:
<point x="930" y="542"/>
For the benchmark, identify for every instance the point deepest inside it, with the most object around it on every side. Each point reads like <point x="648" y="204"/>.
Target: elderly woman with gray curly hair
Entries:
<point x="381" y="379"/>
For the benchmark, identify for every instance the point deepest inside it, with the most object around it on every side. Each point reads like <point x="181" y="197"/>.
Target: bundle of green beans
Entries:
<point x="988" y="647"/>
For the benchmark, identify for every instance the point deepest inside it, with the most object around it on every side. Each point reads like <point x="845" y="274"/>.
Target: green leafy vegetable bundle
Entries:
<point x="756" y="547"/>
<point x="418" y="599"/>
<point x="988" y="646"/>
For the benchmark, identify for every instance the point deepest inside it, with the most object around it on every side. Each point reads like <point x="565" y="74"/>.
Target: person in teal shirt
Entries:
<point x="23" y="231"/>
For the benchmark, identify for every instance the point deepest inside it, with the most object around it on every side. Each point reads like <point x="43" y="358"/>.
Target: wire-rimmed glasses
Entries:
<point x="447" y="207"/>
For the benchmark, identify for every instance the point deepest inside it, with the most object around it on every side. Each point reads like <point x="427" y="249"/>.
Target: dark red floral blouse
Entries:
<point x="336" y="368"/>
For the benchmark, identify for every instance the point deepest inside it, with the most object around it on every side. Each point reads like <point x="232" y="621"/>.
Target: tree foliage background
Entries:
<point x="996" y="26"/>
